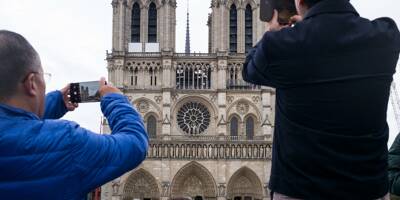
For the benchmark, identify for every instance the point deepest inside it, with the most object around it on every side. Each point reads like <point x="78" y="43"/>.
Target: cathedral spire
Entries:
<point x="187" y="46"/>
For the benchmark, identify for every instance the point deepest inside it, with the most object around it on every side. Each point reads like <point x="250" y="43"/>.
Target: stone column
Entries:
<point x="222" y="60"/>
<point x="144" y="24"/>
<point x="167" y="85"/>
<point x="224" y="25"/>
<point x="241" y="30"/>
<point x="121" y="41"/>
<point x="215" y="34"/>
<point x="267" y="111"/>
<point x="222" y="191"/>
<point x="118" y="73"/>
<point x="116" y="27"/>
<point x="172" y="28"/>
<point x="165" y="189"/>
<point x="161" y="25"/>
<point x="146" y="78"/>
<point x="261" y="26"/>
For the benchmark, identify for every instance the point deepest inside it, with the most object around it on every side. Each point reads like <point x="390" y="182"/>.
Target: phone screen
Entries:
<point x="85" y="92"/>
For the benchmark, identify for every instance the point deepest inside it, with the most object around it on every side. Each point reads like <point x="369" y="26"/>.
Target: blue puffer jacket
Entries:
<point x="57" y="159"/>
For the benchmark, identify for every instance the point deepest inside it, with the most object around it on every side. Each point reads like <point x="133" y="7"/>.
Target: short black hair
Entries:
<point x="17" y="59"/>
<point x="311" y="3"/>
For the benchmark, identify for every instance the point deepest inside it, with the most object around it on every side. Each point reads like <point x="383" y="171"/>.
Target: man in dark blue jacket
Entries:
<point x="332" y="73"/>
<point x="45" y="158"/>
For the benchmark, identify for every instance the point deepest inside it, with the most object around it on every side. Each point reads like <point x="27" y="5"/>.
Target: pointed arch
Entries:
<point x="252" y="4"/>
<point x="229" y="3"/>
<point x="158" y="3"/>
<point x="193" y="180"/>
<point x="248" y="28"/>
<point x="135" y="23"/>
<point x="141" y="185"/>
<point x="151" y="103"/>
<point x="256" y="113"/>
<point x="234" y="121"/>
<point x="233" y="28"/>
<point x="152" y="23"/>
<point x="151" y="125"/>
<point x="132" y="2"/>
<point x="250" y="126"/>
<point x="245" y="185"/>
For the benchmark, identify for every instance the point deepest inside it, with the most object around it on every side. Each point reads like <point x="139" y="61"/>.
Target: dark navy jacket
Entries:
<point x="332" y="73"/>
<point x="57" y="159"/>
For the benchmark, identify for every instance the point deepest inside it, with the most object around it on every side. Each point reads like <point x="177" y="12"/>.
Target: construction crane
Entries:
<point x="395" y="100"/>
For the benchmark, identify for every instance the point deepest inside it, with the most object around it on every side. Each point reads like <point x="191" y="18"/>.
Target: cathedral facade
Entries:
<point x="210" y="132"/>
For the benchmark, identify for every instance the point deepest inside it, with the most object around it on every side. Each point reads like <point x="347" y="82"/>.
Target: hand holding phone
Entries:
<point x="286" y="9"/>
<point x="107" y="88"/>
<point x="91" y="91"/>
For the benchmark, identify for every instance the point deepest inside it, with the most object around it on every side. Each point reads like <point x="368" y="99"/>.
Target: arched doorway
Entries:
<point x="141" y="185"/>
<point x="244" y="185"/>
<point x="193" y="181"/>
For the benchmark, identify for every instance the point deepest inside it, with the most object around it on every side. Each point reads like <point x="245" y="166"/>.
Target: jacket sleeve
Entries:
<point x="54" y="106"/>
<point x="276" y="60"/>
<point x="394" y="167"/>
<point x="99" y="159"/>
<point x="255" y="61"/>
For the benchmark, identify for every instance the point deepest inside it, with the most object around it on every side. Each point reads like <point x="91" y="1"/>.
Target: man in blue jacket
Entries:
<point x="42" y="157"/>
<point x="332" y="73"/>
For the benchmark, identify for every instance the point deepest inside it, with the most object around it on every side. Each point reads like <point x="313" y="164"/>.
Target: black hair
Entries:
<point x="311" y="3"/>
<point x="17" y="59"/>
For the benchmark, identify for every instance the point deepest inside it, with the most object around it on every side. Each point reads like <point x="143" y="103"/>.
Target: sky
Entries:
<point x="72" y="37"/>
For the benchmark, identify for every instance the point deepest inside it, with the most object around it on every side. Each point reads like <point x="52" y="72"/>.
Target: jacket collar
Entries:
<point x="331" y="6"/>
<point x="9" y="111"/>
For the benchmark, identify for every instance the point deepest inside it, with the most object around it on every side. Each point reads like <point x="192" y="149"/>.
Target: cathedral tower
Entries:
<point x="143" y="25"/>
<point x="210" y="132"/>
<point x="235" y="26"/>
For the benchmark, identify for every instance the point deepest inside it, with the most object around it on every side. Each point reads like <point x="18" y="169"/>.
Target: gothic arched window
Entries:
<point x="234" y="126"/>
<point x="134" y="77"/>
<point x="152" y="29"/>
<point x="248" y="28"/>
<point x="152" y="126"/>
<point x="233" y="29"/>
<point x="135" y="24"/>
<point x="250" y="128"/>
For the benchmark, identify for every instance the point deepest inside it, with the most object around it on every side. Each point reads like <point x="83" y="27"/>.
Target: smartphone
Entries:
<point x="285" y="8"/>
<point x="84" y="92"/>
<point x="266" y="10"/>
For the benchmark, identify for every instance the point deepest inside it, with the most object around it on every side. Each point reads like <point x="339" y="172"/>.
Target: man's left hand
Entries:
<point x="68" y="104"/>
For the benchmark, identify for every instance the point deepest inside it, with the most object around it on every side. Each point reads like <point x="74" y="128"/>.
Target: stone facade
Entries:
<point x="210" y="132"/>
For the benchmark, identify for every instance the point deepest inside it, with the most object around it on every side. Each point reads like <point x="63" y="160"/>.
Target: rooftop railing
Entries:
<point x="241" y="85"/>
<point x="210" y="138"/>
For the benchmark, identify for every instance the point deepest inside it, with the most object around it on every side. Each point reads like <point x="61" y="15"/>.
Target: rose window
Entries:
<point x="193" y="118"/>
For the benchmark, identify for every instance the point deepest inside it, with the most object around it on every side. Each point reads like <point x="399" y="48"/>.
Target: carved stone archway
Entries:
<point x="141" y="185"/>
<point x="193" y="181"/>
<point x="245" y="185"/>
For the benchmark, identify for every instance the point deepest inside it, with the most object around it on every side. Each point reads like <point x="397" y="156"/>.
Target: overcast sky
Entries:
<point x="72" y="37"/>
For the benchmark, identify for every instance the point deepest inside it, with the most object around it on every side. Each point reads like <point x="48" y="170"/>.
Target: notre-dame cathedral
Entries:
<point x="210" y="132"/>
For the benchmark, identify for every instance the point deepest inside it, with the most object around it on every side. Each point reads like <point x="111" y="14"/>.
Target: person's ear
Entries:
<point x="30" y="86"/>
<point x="302" y="3"/>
